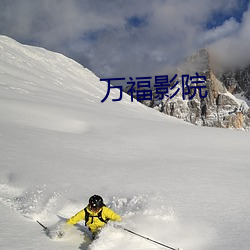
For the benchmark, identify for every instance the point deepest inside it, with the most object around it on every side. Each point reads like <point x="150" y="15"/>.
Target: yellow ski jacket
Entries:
<point x="94" y="223"/>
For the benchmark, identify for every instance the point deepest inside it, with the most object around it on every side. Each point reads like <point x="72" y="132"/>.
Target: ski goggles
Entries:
<point x="94" y="208"/>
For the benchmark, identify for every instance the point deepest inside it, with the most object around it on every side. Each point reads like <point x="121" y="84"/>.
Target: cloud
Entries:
<point x="117" y="38"/>
<point x="226" y="29"/>
<point x="233" y="49"/>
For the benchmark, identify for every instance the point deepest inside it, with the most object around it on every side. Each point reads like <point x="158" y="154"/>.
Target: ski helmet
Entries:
<point x="95" y="202"/>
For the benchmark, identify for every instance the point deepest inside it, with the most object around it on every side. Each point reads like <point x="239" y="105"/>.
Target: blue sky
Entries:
<point x="218" y="17"/>
<point x="122" y="38"/>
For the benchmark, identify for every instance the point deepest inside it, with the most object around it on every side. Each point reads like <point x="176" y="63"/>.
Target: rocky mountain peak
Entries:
<point x="198" y="62"/>
<point x="220" y="108"/>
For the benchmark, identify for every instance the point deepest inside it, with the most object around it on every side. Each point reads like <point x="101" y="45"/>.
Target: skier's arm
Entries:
<point x="110" y="214"/>
<point x="77" y="217"/>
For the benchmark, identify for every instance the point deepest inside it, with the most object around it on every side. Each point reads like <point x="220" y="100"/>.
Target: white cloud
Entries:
<point x="229" y="27"/>
<point x="97" y="33"/>
<point x="233" y="49"/>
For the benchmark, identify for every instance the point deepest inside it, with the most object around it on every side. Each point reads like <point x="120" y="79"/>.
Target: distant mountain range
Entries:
<point x="228" y="95"/>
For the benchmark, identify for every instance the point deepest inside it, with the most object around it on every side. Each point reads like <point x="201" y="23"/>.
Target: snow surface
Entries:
<point x="182" y="185"/>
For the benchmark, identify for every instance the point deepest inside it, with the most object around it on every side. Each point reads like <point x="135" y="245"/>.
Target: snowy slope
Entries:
<point x="176" y="183"/>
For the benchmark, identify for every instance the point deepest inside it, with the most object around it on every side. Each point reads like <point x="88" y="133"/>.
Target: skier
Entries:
<point x="95" y="214"/>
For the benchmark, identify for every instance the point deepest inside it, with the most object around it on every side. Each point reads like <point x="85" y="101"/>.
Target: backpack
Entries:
<point x="88" y="216"/>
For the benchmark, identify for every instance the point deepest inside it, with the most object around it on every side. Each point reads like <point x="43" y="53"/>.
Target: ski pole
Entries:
<point x="146" y="238"/>
<point x="45" y="228"/>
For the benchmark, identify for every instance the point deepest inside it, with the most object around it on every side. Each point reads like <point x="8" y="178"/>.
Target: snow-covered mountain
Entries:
<point x="237" y="81"/>
<point x="182" y="185"/>
<point x="221" y="107"/>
